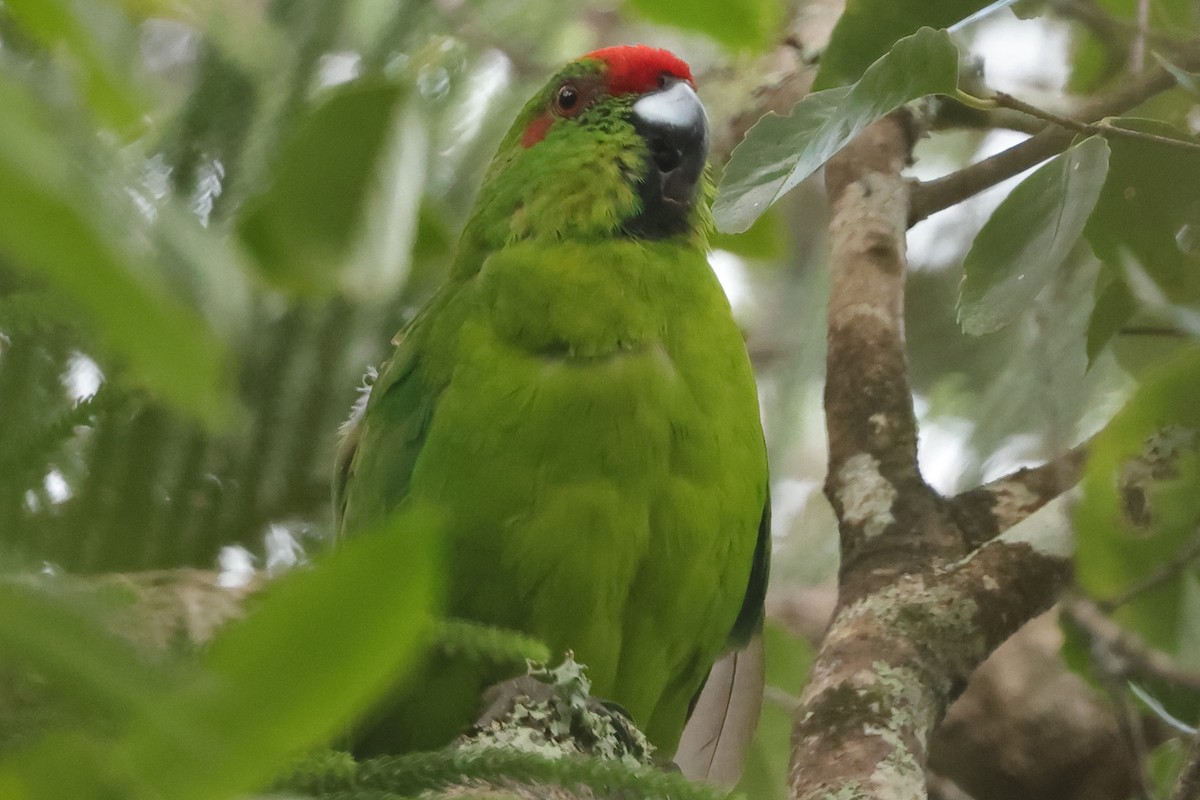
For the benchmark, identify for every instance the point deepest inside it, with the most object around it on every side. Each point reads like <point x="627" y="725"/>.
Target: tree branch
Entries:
<point x="989" y="510"/>
<point x="932" y="196"/>
<point x="920" y="606"/>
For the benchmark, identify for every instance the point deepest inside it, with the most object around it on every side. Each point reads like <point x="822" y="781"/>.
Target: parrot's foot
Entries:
<point x="550" y="712"/>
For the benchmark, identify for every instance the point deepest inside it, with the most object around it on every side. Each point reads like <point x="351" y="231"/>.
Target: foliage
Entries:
<point x="214" y="215"/>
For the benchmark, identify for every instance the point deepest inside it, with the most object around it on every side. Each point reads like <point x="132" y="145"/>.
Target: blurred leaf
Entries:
<point x="1114" y="307"/>
<point x="779" y="152"/>
<point x="56" y="227"/>
<point x="302" y="226"/>
<point x="1140" y="509"/>
<point x="1163" y="765"/>
<point x="318" y="648"/>
<point x="869" y="28"/>
<point x="1028" y="236"/>
<point x="1148" y="205"/>
<point x="737" y="24"/>
<point x="55" y="23"/>
<point x="1099" y="57"/>
<point x="789" y="659"/>
<point x="62" y="641"/>
<point x="764" y="241"/>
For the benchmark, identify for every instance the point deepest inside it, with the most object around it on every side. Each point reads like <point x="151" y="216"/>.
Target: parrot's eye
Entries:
<point x="663" y="80"/>
<point x="566" y="102"/>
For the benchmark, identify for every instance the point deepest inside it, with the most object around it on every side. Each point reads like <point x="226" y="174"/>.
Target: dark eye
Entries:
<point x="566" y="102"/>
<point x="663" y="79"/>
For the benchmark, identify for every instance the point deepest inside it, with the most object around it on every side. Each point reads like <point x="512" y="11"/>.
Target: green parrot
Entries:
<point x="579" y="401"/>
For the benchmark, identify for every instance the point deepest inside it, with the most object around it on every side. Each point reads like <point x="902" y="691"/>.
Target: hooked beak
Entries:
<point x="675" y="128"/>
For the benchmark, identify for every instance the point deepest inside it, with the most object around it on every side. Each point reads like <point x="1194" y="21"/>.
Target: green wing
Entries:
<point x="399" y="407"/>
<point x="749" y="618"/>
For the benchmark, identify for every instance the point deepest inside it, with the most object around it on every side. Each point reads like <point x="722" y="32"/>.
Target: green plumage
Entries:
<point x="582" y="404"/>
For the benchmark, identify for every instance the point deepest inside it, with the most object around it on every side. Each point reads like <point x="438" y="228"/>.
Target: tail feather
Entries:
<point x="718" y="733"/>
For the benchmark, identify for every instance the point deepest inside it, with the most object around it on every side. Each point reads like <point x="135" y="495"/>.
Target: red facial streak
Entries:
<point x="636" y="68"/>
<point x="536" y="130"/>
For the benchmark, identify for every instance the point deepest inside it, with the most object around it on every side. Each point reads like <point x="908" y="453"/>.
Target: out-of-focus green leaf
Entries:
<point x="55" y="226"/>
<point x="789" y="659"/>
<point x="1148" y="202"/>
<point x="737" y="24"/>
<point x="1140" y="507"/>
<point x="1114" y="306"/>
<point x="52" y="635"/>
<point x="54" y="23"/>
<point x="868" y="28"/>
<point x="1099" y="58"/>
<point x="303" y="225"/>
<point x="1028" y="236"/>
<point x="1163" y="765"/>
<point x="765" y="240"/>
<point x="779" y="152"/>
<point x="312" y="654"/>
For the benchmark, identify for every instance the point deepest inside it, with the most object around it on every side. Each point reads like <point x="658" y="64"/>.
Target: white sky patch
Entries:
<point x="283" y="549"/>
<point x="789" y="499"/>
<point x="82" y="378"/>
<point x="942" y="239"/>
<point x="1022" y="54"/>
<point x="236" y="565"/>
<point x="166" y="44"/>
<point x="731" y="272"/>
<point x="56" y="486"/>
<point x="485" y="84"/>
<point x="942" y="448"/>
<point x="1013" y="453"/>
<point x="337" y="68"/>
<point x="210" y="177"/>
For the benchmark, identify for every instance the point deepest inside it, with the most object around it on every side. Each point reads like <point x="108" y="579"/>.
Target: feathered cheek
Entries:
<point x="536" y="130"/>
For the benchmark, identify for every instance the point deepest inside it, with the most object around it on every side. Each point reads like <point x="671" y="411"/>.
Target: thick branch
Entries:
<point x="989" y="510"/>
<point x="917" y="610"/>
<point x="936" y="195"/>
<point x="868" y="402"/>
<point x="893" y="661"/>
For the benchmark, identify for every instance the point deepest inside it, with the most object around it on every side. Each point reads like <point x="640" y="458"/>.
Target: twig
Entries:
<point x="1125" y="653"/>
<point x="933" y="196"/>
<point x="989" y="510"/>
<point x="1163" y="573"/>
<point x="1100" y="129"/>
<point x="1137" y="49"/>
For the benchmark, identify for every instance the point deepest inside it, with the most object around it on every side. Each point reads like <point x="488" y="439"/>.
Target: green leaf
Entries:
<point x="55" y="23"/>
<point x="61" y="639"/>
<point x="58" y="226"/>
<point x="737" y="24"/>
<point x="780" y="152"/>
<point x="1148" y="204"/>
<point x="1140" y="509"/>
<point x="765" y="240"/>
<point x="303" y="225"/>
<point x="1163" y="765"/>
<point x="1114" y="307"/>
<point x="320" y="646"/>
<point x="868" y="28"/>
<point x="1028" y="236"/>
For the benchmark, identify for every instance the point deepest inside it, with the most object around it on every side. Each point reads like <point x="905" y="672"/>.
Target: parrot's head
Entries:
<point x="614" y="145"/>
